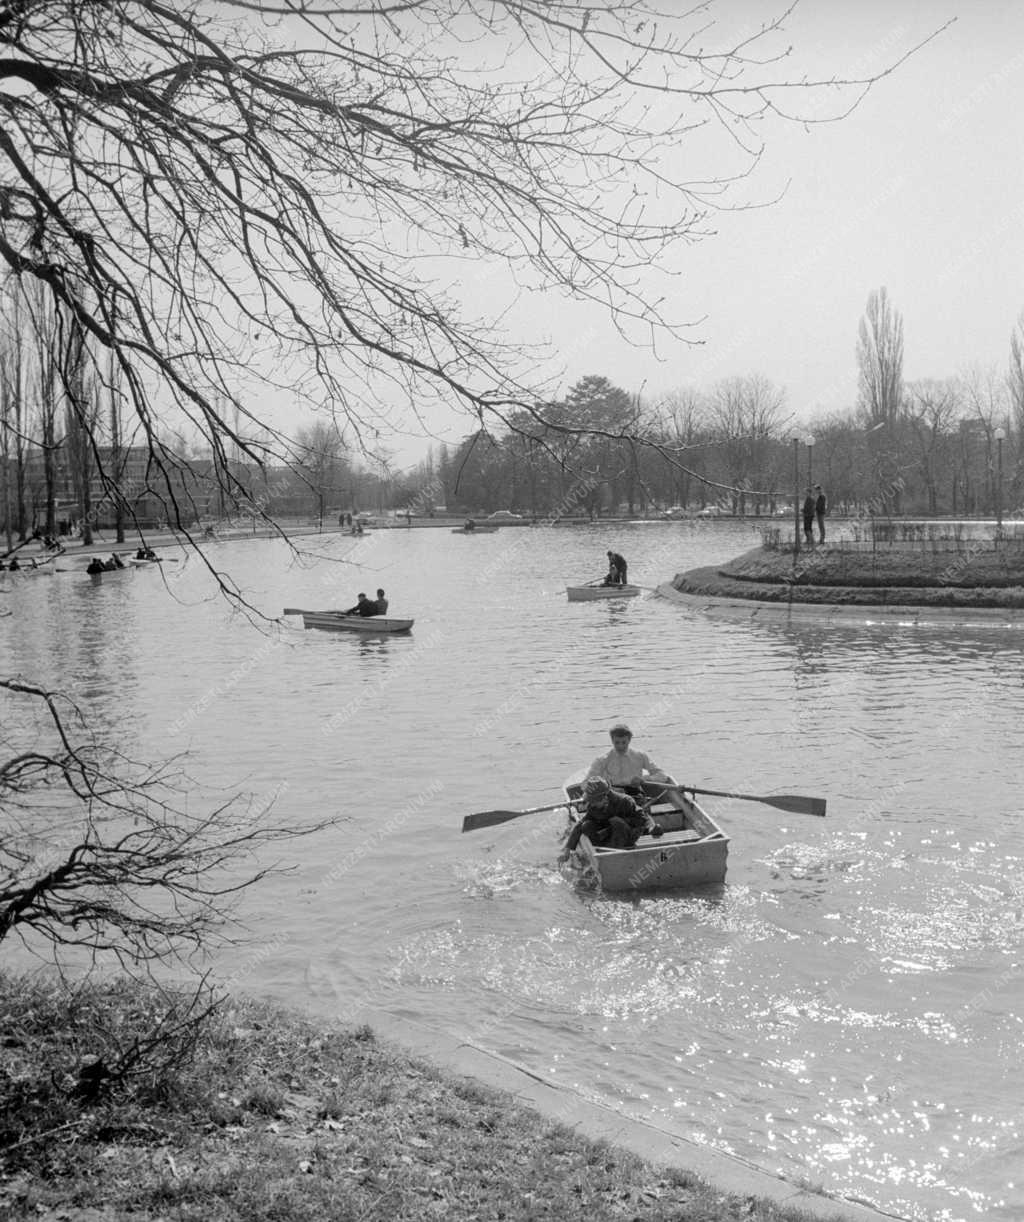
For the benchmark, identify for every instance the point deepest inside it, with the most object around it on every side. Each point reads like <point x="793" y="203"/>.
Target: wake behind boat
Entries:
<point x="691" y="851"/>
<point x="338" y="621"/>
<point x="580" y="594"/>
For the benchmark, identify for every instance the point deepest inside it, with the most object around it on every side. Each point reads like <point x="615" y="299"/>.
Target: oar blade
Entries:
<point x="797" y="803"/>
<point x="489" y="818"/>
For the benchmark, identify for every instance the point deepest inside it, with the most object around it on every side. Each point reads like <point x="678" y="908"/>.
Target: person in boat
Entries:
<point x="95" y="566"/>
<point x="382" y="603"/>
<point x="14" y="564"/>
<point x="616" y="570"/>
<point x="622" y="766"/>
<point x="145" y="553"/>
<point x="365" y="607"/>
<point x="609" y="818"/>
<point x="470" y="524"/>
<point x="115" y="562"/>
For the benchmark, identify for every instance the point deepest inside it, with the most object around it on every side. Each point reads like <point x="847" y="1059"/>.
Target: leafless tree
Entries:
<point x="932" y="408"/>
<point x="100" y="852"/>
<point x="880" y="359"/>
<point x="745" y="414"/>
<point x="237" y="197"/>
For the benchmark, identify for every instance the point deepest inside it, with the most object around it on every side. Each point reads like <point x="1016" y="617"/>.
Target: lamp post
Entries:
<point x="1000" y="433"/>
<point x="810" y="463"/>
<point x="796" y="492"/>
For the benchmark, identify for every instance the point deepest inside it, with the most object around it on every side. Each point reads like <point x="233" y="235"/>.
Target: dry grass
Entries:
<point x="972" y="577"/>
<point x="275" y="1118"/>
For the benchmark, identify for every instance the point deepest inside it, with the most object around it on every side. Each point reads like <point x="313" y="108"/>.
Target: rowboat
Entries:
<point x="477" y="530"/>
<point x="582" y="594"/>
<point x="691" y="852"/>
<point x="337" y="621"/>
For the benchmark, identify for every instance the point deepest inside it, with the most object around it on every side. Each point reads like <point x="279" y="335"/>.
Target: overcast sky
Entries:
<point x="921" y="190"/>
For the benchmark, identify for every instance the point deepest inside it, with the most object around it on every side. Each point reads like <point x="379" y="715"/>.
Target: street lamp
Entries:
<point x="1000" y="433"/>
<point x="810" y="455"/>
<point x="797" y="438"/>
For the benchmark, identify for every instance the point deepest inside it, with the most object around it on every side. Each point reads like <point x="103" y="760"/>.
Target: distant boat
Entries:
<point x="474" y="530"/>
<point x="338" y="621"/>
<point x="582" y="594"/>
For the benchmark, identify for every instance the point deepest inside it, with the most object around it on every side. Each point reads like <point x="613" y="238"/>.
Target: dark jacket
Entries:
<point x="596" y="819"/>
<point x="820" y="505"/>
<point x="365" y="607"/>
<point x="809" y="509"/>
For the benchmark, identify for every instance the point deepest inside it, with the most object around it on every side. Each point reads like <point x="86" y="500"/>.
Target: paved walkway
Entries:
<point x="647" y="1141"/>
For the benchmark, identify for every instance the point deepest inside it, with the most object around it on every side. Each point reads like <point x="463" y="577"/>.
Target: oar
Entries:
<point x="489" y="818"/>
<point x="794" y="802"/>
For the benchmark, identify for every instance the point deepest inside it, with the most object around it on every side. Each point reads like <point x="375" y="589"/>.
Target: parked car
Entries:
<point x="505" y="515"/>
<point x="674" y="511"/>
<point x="709" y="511"/>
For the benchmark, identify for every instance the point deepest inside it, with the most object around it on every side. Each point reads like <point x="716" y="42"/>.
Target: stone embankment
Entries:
<point x="971" y="579"/>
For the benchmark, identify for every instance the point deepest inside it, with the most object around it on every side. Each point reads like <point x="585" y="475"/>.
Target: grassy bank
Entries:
<point x="970" y="578"/>
<point x="259" y="1114"/>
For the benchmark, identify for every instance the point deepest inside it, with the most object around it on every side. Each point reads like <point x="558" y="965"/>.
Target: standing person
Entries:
<point x="616" y="570"/>
<point x="623" y="767"/>
<point x="820" y="509"/>
<point x="611" y="819"/>
<point x="809" y="517"/>
<point x="382" y="603"/>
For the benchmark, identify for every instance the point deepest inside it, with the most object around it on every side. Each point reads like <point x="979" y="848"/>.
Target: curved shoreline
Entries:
<point x="600" y="1122"/>
<point x="849" y="613"/>
<point x="913" y="588"/>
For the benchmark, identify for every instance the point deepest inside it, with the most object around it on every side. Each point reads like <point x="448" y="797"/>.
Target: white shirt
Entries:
<point x="621" y="768"/>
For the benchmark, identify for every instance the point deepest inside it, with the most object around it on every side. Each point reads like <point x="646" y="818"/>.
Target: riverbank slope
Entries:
<point x="260" y="1114"/>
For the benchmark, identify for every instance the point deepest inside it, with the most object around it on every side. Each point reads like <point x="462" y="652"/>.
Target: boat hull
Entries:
<point x="692" y="851"/>
<point x="333" y="622"/>
<point x="477" y="530"/>
<point x="582" y="594"/>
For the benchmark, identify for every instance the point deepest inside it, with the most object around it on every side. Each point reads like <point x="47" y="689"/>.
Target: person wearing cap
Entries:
<point x="611" y="819"/>
<point x="616" y="570"/>
<point x="622" y="766"/>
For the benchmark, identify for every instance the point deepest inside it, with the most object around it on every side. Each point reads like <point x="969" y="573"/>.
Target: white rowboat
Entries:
<point x="582" y="594"/>
<point x="337" y="621"/>
<point x="691" y="852"/>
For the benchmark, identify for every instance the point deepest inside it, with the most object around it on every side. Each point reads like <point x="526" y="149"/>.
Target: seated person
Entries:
<point x="115" y="562"/>
<point x="382" y="603"/>
<point x="612" y="820"/>
<point x="15" y="564"/>
<point x="96" y="565"/>
<point x="470" y="524"/>
<point x="365" y="607"/>
<point x="623" y="767"/>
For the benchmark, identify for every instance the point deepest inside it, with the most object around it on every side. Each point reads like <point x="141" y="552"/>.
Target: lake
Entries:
<point x="846" y="1009"/>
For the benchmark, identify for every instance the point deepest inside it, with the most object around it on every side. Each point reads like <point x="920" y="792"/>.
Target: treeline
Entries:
<point x="934" y="447"/>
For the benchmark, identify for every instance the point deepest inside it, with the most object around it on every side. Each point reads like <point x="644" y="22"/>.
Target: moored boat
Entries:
<point x="691" y="851"/>
<point x="337" y="621"/>
<point x="474" y="530"/>
<point x="580" y="594"/>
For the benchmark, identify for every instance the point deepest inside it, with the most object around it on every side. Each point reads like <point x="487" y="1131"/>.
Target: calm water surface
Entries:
<point x="847" y="1008"/>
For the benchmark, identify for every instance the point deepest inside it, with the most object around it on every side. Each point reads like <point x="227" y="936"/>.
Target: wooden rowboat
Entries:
<point x="337" y="621"/>
<point x="691" y="852"/>
<point x="581" y="594"/>
<point x="477" y="530"/>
